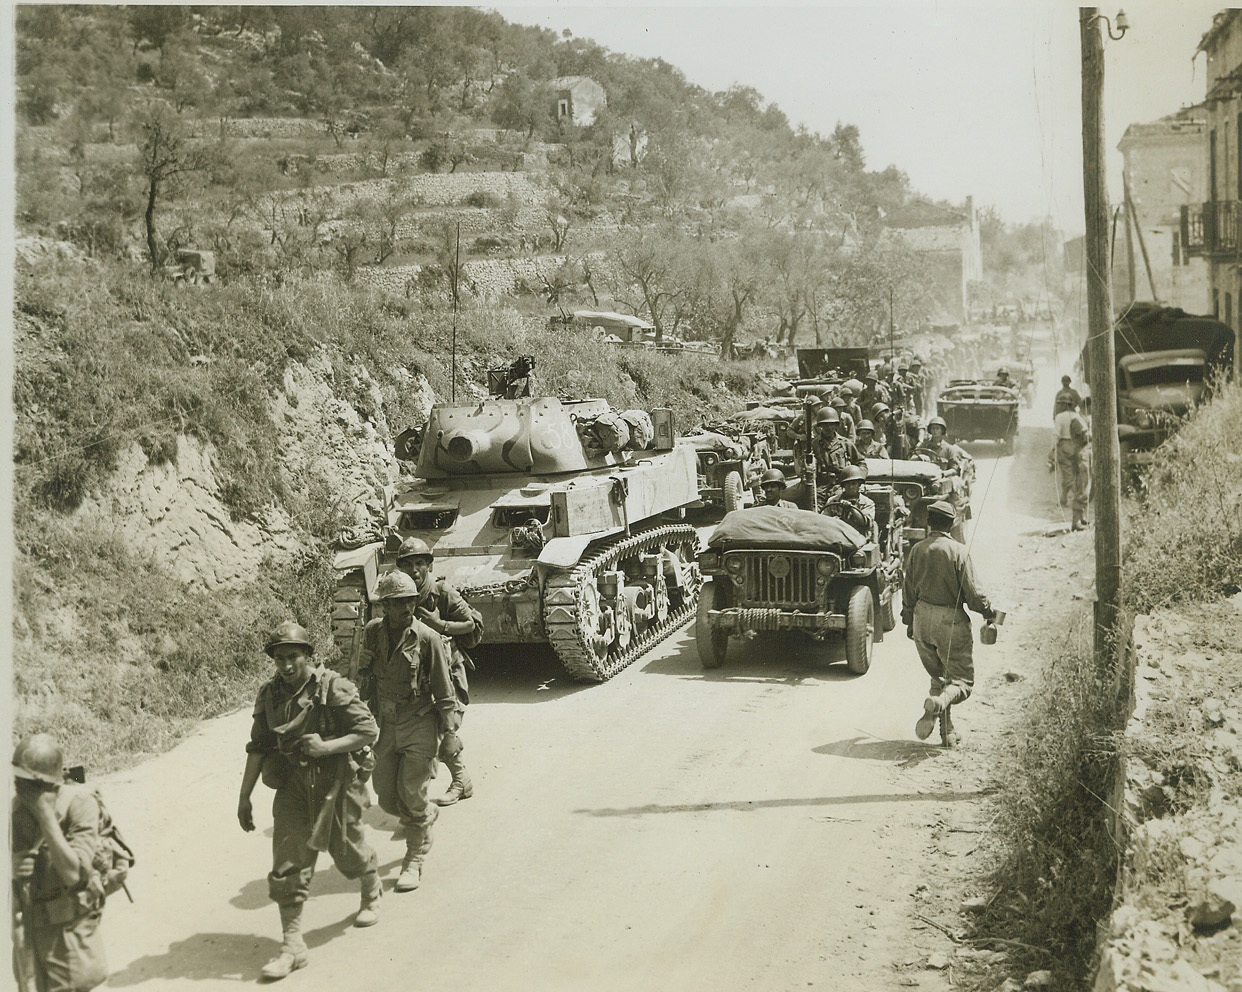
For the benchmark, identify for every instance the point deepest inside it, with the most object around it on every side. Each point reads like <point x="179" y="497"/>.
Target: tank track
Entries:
<point x="565" y="606"/>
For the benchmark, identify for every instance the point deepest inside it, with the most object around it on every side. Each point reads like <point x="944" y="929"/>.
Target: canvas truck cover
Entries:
<point x="1145" y="327"/>
<point x="789" y="530"/>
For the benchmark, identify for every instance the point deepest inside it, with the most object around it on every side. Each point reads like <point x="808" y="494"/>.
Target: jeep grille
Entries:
<point x="779" y="579"/>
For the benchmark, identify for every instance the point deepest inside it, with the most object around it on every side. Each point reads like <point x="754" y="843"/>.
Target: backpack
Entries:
<point x="115" y="857"/>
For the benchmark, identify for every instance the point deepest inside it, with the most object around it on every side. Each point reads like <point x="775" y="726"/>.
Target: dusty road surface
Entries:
<point x="772" y="825"/>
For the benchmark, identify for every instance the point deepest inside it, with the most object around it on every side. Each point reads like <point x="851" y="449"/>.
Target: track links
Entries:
<point x="564" y="610"/>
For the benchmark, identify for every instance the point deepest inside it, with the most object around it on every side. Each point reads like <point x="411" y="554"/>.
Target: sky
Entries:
<point x="965" y="98"/>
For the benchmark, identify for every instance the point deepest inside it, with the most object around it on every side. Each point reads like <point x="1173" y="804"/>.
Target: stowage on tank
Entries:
<point x="558" y="520"/>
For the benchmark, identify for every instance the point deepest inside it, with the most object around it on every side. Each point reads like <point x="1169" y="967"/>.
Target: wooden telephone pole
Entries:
<point x="1106" y="455"/>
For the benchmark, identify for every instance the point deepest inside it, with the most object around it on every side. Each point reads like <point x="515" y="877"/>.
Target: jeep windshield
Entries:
<point x="1166" y="373"/>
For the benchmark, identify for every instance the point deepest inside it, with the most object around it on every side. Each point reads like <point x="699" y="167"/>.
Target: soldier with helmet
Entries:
<point x="947" y="455"/>
<point x="773" y="484"/>
<point x="850" y="504"/>
<point x="442" y="608"/>
<point x="846" y="427"/>
<point x="1002" y="378"/>
<point x="310" y="740"/>
<point x="832" y="451"/>
<point x="918" y="385"/>
<point x="868" y="445"/>
<point x="404" y="666"/>
<point x="881" y="420"/>
<point x="57" y="901"/>
<point x="938" y="588"/>
<point x="873" y="392"/>
<point x="846" y="392"/>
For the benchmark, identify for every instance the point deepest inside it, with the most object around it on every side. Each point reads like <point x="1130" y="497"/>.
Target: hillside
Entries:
<point x="183" y="456"/>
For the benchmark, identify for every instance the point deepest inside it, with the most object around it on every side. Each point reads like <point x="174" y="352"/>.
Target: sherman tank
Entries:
<point x="560" y="521"/>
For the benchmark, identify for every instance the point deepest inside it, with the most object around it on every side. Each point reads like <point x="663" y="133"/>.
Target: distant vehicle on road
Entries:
<point x="979" y="410"/>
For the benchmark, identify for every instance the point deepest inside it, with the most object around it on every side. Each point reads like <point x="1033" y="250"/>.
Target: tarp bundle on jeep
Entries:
<point x="790" y="530"/>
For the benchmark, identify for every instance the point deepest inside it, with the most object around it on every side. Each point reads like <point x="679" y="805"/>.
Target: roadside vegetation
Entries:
<point x="1056" y="851"/>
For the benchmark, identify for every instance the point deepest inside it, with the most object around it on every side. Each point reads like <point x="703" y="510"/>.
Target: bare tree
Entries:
<point x="168" y="158"/>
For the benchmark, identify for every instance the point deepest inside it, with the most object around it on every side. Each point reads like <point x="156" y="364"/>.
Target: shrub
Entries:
<point x="482" y="198"/>
<point x="1184" y="542"/>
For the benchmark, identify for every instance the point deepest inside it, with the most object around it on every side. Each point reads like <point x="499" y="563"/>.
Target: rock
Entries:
<point x="1038" y="980"/>
<point x="975" y="904"/>
<point x="1009" y="985"/>
<point x="1211" y="910"/>
<point x="1191" y="848"/>
<point x="1212" y="713"/>
<point x="1013" y="677"/>
<point x="938" y="961"/>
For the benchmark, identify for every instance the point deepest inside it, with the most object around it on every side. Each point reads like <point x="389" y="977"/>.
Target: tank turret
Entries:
<point x="560" y="521"/>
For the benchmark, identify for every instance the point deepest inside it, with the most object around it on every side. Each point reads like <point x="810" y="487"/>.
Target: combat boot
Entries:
<point x="411" y="873"/>
<point x="948" y="736"/>
<point x="933" y="706"/>
<point x="372" y="892"/>
<point x="456" y="791"/>
<point x="292" y="954"/>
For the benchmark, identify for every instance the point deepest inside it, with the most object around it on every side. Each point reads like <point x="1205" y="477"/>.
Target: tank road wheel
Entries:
<point x="583" y="632"/>
<point x="712" y="642"/>
<point x="732" y="492"/>
<point x="859" y="630"/>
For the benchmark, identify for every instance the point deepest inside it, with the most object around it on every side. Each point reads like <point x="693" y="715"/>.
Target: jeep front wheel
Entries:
<point x="712" y="642"/>
<point x="859" y="630"/>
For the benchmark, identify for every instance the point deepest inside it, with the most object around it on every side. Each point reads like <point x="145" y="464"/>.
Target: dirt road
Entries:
<point x="767" y="826"/>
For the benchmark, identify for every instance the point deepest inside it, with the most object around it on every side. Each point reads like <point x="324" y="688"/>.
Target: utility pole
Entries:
<point x="1101" y="353"/>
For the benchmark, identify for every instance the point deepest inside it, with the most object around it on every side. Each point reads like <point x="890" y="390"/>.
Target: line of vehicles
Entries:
<point x="569" y="523"/>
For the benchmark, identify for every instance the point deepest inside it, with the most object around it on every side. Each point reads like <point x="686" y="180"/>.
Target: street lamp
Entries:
<point x="1122" y="22"/>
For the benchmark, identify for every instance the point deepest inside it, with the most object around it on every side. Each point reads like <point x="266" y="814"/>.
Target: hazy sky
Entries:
<point x="965" y="98"/>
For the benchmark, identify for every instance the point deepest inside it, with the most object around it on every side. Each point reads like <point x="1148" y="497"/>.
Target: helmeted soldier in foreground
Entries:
<point x="310" y="740"/>
<point x="773" y="484"/>
<point x="57" y="898"/>
<point x="442" y="608"/>
<point x="939" y="586"/>
<point x="409" y="686"/>
<point x="850" y="504"/>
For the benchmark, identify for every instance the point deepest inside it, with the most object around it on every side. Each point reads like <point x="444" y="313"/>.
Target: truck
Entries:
<point x="1167" y="363"/>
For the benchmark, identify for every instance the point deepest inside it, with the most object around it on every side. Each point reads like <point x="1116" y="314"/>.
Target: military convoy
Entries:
<point x="771" y="569"/>
<point x="560" y="521"/>
<point x="980" y="410"/>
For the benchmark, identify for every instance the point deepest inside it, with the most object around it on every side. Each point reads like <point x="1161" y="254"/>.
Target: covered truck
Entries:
<point x="1167" y="363"/>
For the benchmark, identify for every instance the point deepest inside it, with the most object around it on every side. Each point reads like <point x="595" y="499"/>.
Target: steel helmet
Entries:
<point x="396" y="585"/>
<point x="827" y="415"/>
<point x="38" y="758"/>
<point x="871" y="377"/>
<point x="937" y="422"/>
<point x="845" y="392"/>
<point x="853" y="385"/>
<point x="288" y="633"/>
<point x="815" y="399"/>
<point x="853" y="472"/>
<point x="837" y="403"/>
<point x="865" y="425"/>
<point x="773" y="476"/>
<point x="903" y="367"/>
<point x="1002" y="371"/>
<point x="413" y="547"/>
<point x="878" y="409"/>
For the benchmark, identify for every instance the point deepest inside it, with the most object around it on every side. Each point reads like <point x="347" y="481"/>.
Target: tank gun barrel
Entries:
<point x="468" y="445"/>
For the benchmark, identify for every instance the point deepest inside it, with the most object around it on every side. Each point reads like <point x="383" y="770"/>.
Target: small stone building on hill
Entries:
<point x="577" y="100"/>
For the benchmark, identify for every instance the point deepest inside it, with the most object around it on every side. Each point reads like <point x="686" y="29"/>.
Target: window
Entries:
<point x="1177" y="248"/>
<point x="1216" y="303"/>
<point x="562" y="108"/>
<point x="1229" y="309"/>
<point x="1212" y="164"/>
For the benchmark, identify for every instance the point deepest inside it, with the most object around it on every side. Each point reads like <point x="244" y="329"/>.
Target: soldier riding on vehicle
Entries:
<point x="774" y="485"/>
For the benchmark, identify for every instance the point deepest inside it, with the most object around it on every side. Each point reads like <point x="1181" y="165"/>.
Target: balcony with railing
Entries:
<point x="1212" y="228"/>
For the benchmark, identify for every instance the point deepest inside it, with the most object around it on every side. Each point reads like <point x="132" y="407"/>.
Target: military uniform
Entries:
<point x="833" y="454"/>
<point x="411" y="691"/>
<point x="948" y="456"/>
<point x="939" y="585"/>
<point x="839" y="506"/>
<point x="62" y="950"/>
<point x="452" y="607"/>
<point x="873" y="449"/>
<point x="1073" y="471"/>
<point x="319" y="802"/>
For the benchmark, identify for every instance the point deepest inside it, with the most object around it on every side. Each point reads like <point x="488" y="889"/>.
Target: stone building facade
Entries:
<point x="1164" y="170"/>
